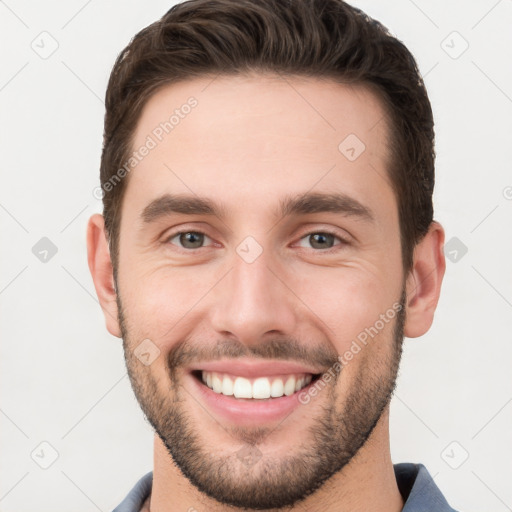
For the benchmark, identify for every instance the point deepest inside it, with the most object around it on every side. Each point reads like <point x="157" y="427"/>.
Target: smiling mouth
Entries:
<point x="261" y="388"/>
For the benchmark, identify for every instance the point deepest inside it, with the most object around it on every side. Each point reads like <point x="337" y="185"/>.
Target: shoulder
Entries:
<point x="137" y="496"/>
<point x="418" y="489"/>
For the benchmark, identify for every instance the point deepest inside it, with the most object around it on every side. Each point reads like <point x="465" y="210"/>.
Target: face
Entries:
<point x="260" y="275"/>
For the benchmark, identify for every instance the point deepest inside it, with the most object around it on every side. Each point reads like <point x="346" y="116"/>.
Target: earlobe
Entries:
<point x="100" y="266"/>
<point x="423" y="283"/>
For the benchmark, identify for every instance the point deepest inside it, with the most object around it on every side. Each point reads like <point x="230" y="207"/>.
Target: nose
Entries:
<point x="254" y="300"/>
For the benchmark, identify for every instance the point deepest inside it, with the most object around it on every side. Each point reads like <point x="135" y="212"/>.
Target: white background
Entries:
<point x="63" y="378"/>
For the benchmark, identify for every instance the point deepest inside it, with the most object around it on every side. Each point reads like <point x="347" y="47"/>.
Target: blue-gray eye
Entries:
<point x="190" y="239"/>
<point x="320" y="240"/>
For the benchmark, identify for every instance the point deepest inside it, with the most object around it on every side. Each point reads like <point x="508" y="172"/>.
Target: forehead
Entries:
<point x="247" y="137"/>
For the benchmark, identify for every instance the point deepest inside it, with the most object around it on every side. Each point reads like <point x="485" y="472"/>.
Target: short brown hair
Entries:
<point x="315" y="38"/>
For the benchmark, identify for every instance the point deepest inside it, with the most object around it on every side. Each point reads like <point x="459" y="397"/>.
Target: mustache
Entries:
<point x="187" y="352"/>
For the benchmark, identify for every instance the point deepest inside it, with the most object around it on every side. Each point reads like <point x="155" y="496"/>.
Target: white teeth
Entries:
<point x="216" y="383"/>
<point x="242" y="388"/>
<point x="289" y="387"/>
<point x="277" y="388"/>
<point x="227" y="386"/>
<point x="260" y="388"/>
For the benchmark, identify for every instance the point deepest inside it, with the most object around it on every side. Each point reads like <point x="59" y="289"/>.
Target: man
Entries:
<point x="267" y="242"/>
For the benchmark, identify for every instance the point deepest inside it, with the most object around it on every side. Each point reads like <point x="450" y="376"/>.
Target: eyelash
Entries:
<point x="342" y="240"/>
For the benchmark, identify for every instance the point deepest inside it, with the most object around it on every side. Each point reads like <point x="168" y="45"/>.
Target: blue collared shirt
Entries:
<point x="418" y="490"/>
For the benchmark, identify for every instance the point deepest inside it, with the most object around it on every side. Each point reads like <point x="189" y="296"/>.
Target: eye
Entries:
<point x="321" y="240"/>
<point x="189" y="239"/>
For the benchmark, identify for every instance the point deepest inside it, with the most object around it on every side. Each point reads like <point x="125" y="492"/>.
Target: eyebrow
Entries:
<point x="303" y="204"/>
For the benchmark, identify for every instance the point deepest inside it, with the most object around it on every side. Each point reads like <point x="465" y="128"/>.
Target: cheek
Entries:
<point x="350" y="304"/>
<point x="157" y="304"/>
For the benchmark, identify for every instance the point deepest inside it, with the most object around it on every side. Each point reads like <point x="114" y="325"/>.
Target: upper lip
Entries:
<point x="255" y="368"/>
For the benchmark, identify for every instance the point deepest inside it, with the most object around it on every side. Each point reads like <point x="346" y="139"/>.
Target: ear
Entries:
<point x="100" y="265"/>
<point x="423" y="284"/>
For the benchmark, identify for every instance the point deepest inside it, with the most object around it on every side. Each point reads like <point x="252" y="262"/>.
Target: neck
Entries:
<point x="366" y="484"/>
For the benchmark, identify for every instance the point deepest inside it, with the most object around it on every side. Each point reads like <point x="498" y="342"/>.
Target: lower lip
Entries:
<point x="246" y="411"/>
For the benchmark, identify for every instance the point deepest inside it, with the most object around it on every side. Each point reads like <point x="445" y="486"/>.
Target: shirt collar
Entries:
<point x="418" y="489"/>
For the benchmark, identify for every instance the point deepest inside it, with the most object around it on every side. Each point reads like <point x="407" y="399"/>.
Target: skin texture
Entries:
<point x="250" y="142"/>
